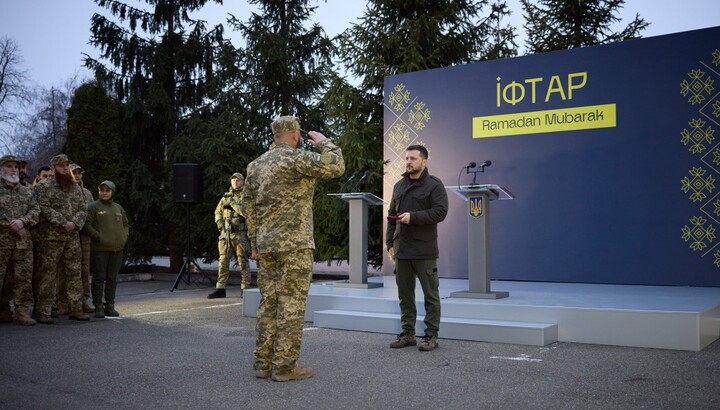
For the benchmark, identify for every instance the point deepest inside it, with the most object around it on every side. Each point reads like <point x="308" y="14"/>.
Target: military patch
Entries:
<point x="325" y="159"/>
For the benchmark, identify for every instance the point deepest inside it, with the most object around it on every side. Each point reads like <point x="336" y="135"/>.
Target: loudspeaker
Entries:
<point x="187" y="183"/>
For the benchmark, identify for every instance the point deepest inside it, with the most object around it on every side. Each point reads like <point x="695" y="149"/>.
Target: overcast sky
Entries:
<point x="53" y="34"/>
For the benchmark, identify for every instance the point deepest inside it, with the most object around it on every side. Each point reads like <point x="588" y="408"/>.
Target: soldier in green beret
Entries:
<point x="278" y="198"/>
<point x="18" y="212"/>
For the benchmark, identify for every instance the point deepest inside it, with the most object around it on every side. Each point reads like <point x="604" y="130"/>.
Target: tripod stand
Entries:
<point x="188" y="259"/>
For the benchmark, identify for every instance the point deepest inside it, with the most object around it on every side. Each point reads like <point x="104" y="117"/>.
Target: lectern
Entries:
<point x="478" y="198"/>
<point x="359" y="202"/>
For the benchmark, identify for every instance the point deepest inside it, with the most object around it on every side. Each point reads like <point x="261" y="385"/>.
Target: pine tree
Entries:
<point x="94" y="141"/>
<point x="217" y="141"/>
<point x="393" y="37"/>
<point x="160" y="63"/>
<point x="285" y="65"/>
<point x="563" y="24"/>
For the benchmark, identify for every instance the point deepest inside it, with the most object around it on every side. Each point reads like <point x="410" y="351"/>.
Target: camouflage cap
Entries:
<point x="284" y="124"/>
<point x="75" y="166"/>
<point x="22" y="161"/>
<point x="59" y="159"/>
<point x="8" y="158"/>
<point x="238" y="176"/>
<point x="108" y="184"/>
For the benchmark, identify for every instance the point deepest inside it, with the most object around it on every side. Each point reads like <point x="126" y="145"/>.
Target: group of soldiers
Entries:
<point x="44" y="251"/>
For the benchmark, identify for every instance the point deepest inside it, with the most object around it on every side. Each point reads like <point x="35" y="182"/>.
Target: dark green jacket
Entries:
<point x="107" y="225"/>
<point x="426" y="200"/>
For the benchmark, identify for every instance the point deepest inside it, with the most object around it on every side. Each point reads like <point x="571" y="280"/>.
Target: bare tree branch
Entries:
<point x="14" y="89"/>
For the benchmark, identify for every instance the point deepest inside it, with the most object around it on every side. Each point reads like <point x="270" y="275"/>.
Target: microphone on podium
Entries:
<point x="469" y="169"/>
<point x="346" y="185"/>
<point x="361" y="183"/>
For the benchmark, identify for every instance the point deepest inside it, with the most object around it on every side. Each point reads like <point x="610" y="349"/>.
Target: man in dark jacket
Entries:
<point x="419" y="203"/>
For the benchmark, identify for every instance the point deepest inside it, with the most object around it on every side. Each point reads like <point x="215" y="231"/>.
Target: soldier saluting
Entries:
<point x="233" y="236"/>
<point x="278" y="204"/>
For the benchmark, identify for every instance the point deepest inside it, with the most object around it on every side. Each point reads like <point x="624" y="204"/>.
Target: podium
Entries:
<point x="478" y="198"/>
<point x="359" y="202"/>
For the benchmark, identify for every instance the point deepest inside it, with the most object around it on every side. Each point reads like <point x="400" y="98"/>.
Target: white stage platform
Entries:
<point x="536" y="313"/>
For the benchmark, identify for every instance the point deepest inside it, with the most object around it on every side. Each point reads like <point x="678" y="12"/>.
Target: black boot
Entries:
<point x="218" y="293"/>
<point x="110" y="310"/>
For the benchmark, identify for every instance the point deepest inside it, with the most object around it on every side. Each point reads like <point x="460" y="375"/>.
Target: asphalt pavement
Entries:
<point x="180" y="350"/>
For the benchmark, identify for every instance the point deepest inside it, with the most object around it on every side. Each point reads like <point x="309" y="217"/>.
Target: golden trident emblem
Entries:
<point x="475" y="207"/>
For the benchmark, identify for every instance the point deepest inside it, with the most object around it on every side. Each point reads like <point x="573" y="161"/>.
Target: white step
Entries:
<point x="500" y="331"/>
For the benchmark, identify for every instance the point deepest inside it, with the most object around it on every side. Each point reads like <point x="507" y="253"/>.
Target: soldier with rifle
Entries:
<point x="233" y="237"/>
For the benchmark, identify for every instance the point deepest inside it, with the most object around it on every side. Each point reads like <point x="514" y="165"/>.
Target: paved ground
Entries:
<point x="181" y="350"/>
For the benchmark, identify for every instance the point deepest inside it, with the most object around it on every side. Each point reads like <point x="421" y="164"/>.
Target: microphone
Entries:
<point x="347" y="184"/>
<point x="361" y="183"/>
<point x="355" y="174"/>
<point x="473" y="164"/>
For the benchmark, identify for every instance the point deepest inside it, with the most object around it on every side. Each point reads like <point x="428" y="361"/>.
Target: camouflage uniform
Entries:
<point x="61" y="297"/>
<point x="278" y="206"/>
<point x="59" y="250"/>
<point x="85" y="252"/>
<point x="16" y="252"/>
<point x="228" y="214"/>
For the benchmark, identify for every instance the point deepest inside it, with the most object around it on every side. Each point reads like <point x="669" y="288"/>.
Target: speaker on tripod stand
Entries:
<point x="187" y="189"/>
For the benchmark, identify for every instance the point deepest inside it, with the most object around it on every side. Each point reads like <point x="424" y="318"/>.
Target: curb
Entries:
<point x="233" y="280"/>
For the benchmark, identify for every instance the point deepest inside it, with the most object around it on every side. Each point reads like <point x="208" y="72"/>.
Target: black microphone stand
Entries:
<point x="189" y="263"/>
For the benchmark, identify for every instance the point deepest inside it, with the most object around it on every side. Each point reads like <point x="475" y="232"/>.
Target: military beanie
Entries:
<point x="59" y="159"/>
<point x="238" y="176"/>
<point x="8" y="158"/>
<point x="108" y="184"/>
<point x="284" y="124"/>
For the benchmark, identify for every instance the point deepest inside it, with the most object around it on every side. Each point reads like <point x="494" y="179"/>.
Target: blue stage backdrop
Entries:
<point x="612" y="152"/>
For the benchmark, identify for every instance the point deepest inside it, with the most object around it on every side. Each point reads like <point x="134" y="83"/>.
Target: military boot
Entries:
<point x="429" y="343"/>
<point x="62" y="310"/>
<point x="263" y="373"/>
<point x="217" y="293"/>
<point x="45" y="319"/>
<point x="404" y="339"/>
<point x="298" y="373"/>
<point x="110" y="310"/>
<point x="99" y="311"/>
<point x="22" y="317"/>
<point x="86" y="308"/>
<point x="78" y="315"/>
